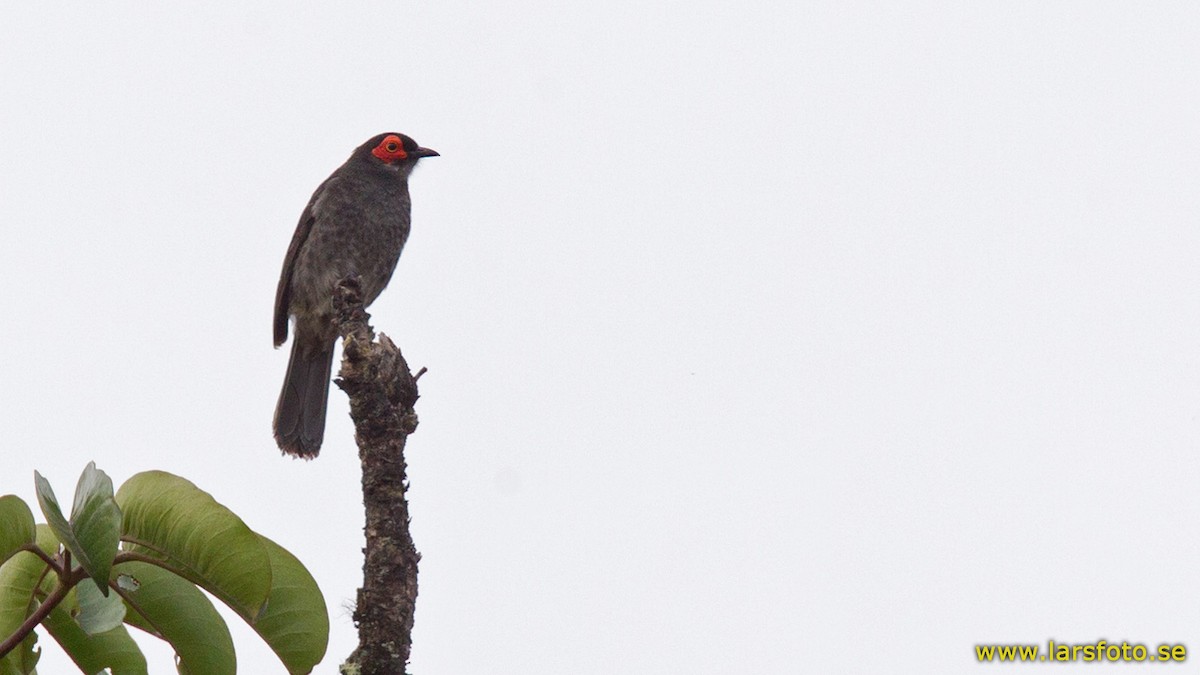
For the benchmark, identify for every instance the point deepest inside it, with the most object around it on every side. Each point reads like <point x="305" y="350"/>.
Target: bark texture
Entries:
<point x="382" y="394"/>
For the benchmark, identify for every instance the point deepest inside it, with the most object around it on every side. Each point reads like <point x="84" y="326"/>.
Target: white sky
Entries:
<point x="762" y="337"/>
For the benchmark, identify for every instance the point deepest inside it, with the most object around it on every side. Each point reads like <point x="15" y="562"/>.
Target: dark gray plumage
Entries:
<point x="355" y="223"/>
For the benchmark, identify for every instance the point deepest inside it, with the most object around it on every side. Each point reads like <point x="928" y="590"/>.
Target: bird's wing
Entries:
<point x="283" y="294"/>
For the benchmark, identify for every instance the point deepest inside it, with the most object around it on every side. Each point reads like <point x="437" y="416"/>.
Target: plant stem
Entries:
<point x="382" y="393"/>
<point x="66" y="581"/>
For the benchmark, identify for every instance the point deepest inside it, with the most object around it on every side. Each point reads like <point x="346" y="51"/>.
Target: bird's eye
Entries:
<point x="390" y="149"/>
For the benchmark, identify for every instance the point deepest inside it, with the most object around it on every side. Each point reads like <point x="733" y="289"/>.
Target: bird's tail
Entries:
<point x="300" y="413"/>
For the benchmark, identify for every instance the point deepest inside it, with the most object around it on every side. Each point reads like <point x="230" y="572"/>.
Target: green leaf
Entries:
<point x="94" y="531"/>
<point x="16" y="526"/>
<point x="23" y="659"/>
<point x="50" y="508"/>
<point x="296" y="622"/>
<point x="19" y="577"/>
<point x="113" y="649"/>
<point x="172" y="608"/>
<point x="173" y="521"/>
<point x="97" y="613"/>
<point x="170" y="519"/>
<point x="96" y="521"/>
<point x="19" y="574"/>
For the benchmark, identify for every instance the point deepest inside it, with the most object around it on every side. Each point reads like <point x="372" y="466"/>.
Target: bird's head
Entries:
<point x="395" y="151"/>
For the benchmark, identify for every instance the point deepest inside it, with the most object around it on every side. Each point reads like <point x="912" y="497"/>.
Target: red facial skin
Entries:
<point x="390" y="149"/>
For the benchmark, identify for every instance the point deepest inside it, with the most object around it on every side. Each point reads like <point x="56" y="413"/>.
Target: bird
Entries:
<point x="356" y="223"/>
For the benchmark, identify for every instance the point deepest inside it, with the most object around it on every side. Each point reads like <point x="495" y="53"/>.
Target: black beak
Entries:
<point x="423" y="152"/>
